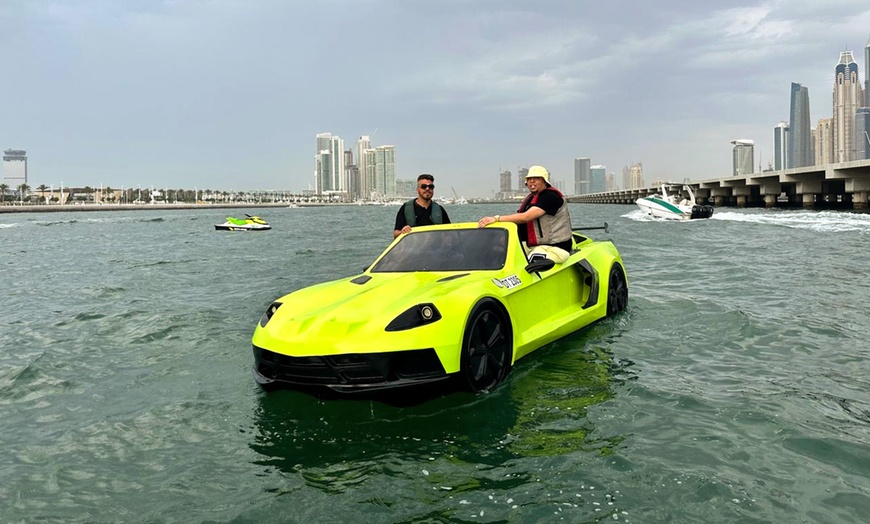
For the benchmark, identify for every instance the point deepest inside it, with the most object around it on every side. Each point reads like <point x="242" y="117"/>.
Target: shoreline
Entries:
<point x="51" y="208"/>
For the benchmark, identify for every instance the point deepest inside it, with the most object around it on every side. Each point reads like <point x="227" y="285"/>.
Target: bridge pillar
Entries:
<point x="741" y="200"/>
<point x="718" y="201"/>
<point x="859" y="200"/>
<point x="808" y="200"/>
<point x="769" y="200"/>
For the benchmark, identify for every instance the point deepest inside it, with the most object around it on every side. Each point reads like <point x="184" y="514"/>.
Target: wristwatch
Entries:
<point x="497" y="218"/>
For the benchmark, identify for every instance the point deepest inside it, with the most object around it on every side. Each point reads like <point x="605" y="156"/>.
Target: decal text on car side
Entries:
<point x="508" y="282"/>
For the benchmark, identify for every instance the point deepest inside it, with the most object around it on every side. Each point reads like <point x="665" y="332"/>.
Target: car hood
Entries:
<point x="334" y="309"/>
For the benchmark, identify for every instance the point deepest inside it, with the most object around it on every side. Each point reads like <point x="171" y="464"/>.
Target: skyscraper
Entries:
<point x="597" y="178"/>
<point x="824" y="140"/>
<point x="848" y="97"/>
<point x="862" y="133"/>
<point x="780" y="146"/>
<point x="363" y="143"/>
<point x="385" y="171"/>
<point x="581" y="175"/>
<point x="867" y="74"/>
<point x="743" y="156"/>
<point x="14" y="168"/>
<point x="635" y="175"/>
<point x="504" y="182"/>
<point x="800" y="144"/>
<point x="329" y="164"/>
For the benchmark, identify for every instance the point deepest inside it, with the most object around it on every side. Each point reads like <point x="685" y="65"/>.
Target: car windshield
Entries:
<point x="446" y="250"/>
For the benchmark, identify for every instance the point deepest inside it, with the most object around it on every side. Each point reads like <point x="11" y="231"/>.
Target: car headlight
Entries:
<point x="269" y="312"/>
<point x="415" y="316"/>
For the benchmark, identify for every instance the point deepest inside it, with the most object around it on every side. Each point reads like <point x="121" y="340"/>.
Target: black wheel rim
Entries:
<point x="617" y="293"/>
<point x="487" y="351"/>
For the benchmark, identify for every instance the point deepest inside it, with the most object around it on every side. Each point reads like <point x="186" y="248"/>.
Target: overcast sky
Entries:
<point x="229" y="94"/>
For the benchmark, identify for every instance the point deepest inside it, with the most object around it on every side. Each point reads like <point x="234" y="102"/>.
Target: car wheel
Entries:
<point x="487" y="347"/>
<point x="617" y="291"/>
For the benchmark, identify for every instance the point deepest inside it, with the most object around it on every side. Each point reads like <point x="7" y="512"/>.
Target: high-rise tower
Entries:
<point x="848" y="97"/>
<point x="597" y="178"/>
<point x="780" y="146"/>
<point x="385" y="171"/>
<point x="14" y="168"/>
<point x="329" y="164"/>
<point x="743" y="156"/>
<point x="582" y="175"/>
<point x="366" y="184"/>
<point x="800" y="144"/>
<point x="867" y="74"/>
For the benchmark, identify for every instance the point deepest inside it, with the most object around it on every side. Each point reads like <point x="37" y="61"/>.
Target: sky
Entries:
<point x="229" y="94"/>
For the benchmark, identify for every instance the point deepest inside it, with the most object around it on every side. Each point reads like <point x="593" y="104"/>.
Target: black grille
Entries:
<point x="356" y="369"/>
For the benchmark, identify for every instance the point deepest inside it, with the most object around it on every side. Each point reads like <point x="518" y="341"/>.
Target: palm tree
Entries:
<point x="23" y="188"/>
<point x="41" y="188"/>
<point x="3" y="189"/>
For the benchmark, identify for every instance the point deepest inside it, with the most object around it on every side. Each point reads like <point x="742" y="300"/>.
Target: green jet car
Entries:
<point x="446" y="302"/>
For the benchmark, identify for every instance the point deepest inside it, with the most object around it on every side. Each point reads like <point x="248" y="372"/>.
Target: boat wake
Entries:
<point x="640" y="216"/>
<point x="821" y="221"/>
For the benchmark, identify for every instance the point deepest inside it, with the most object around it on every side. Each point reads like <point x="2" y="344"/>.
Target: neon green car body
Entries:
<point x="380" y="329"/>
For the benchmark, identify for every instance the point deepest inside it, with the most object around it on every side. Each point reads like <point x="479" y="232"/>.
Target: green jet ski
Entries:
<point x="249" y="223"/>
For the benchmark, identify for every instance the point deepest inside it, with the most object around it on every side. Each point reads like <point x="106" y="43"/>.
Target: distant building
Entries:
<point x="504" y="181"/>
<point x="597" y="179"/>
<point x="351" y="176"/>
<point x="848" y="97"/>
<point x="824" y="140"/>
<point x="406" y="188"/>
<point x="582" y="175"/>
<point x="329" y="173"/>
<point x="743" y="156"/>
<point x="800" y="144"/>
<point x="635" y="176"/>
<point x="364" y="143"/>
<point x="867" y="74"/>
<point x="862" y="133"/>
<point x="385" y="171"/>
<point x="780" y="146"/>
<point x="521" y="178"/>
<point x="14" y="168"/>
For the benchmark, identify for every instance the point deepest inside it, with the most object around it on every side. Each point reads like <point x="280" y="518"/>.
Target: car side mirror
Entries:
<point x="540" y="264"/>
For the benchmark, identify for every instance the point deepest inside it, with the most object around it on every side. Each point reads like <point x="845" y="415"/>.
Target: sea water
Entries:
<point x="734" y="388"/>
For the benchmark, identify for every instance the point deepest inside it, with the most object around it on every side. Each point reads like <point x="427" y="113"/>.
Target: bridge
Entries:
<point x="844" y="185"/>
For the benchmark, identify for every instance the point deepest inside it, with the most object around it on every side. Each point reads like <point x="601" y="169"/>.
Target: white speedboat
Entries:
<point x="674" y="206"/>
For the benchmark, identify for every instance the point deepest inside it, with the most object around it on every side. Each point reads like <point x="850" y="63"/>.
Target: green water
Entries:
<point x="733" y="389"/>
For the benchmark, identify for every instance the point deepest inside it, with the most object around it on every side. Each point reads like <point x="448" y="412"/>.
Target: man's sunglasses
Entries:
<point x="427" y="186"/>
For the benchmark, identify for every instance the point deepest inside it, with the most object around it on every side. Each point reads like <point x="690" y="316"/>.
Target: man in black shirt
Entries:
<point x="421" y="211"/>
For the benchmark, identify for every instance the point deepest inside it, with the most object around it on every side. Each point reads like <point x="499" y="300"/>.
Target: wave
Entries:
<point x="55" y="222"/>
<point x="7" y="226"/>
<point x="819" y="221"/>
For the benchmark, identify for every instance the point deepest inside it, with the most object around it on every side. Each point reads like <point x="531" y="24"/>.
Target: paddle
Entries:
<point x="605" y="227"/>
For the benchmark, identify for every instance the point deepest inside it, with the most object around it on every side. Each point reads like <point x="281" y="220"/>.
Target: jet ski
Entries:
<point x="249" y="223"/>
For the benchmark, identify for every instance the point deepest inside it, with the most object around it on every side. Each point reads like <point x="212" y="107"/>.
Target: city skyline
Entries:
<point x="229" y="95"/>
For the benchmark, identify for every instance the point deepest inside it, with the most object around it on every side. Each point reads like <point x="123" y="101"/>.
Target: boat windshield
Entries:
<point x="446" y="250"/>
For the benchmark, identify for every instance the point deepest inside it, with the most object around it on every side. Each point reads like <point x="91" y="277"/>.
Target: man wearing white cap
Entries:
<point x="544" y="212"/>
